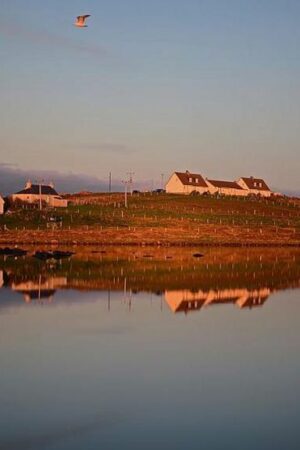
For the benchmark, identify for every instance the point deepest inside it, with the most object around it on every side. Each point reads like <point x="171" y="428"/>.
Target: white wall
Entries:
<point x="1" y="205"/>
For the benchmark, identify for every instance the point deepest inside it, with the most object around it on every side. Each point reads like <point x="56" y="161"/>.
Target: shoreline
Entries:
<point x="163" y="244"/>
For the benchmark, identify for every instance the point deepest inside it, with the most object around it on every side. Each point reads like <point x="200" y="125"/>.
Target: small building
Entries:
<point x="255" y="186"/>
<point x="1" y="205"/>
<point x="185" y="183"/>
<point x="34" y="193"/>
<point x="225" y="188"/>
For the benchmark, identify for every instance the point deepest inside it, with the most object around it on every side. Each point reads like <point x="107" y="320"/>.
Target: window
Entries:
<point x="190" y="179"/>
<point x="254" y="183"/>
<point x="197" y="180"/>
<point x="260" y="185"/>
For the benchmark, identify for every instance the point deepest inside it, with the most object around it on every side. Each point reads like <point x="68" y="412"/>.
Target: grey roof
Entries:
<point x="35" y="189"/>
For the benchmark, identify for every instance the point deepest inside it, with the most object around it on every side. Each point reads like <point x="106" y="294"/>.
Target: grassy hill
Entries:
<point x="160" y="219"/>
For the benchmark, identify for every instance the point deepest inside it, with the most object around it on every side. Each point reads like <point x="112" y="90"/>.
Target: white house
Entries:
<point x="1" y="205"/>
<point x="33" y="193"/>
<point x="185" y="183"/>
<point x="255" y="186"/>
<point x="225" y="188"/>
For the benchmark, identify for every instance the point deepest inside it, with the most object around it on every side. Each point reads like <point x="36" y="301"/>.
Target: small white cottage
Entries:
<point x="33" y="193"/>
<point x="185" y="183"/>
<point x="255" y="186"/>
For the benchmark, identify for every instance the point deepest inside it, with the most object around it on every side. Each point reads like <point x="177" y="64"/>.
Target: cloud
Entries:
<point x="105" y="147"/>
<point x="38" y="37"/>
<point x="9" y="165"/>
<point x="57" y="435"/>
<point x="13" y="179"/>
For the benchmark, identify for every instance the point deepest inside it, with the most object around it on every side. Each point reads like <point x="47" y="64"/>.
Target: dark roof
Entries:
<point x="185" y="178"/>
<point x="225" y="184"/>
<point x="35" y="189"/>
<point x="35" y="294"/>
<point x="189" y="305"/>
<point x="260" y="184"/>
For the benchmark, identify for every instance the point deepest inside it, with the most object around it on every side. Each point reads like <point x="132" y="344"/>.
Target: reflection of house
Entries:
<point x="255" y="186"/>
<point x="42" y="288"/>
<point x="1" y="278"/>
<point x="185" y="300"/>
<point x="34" y="193"/>
<point x="225" y="188"/>
<point x="1" y="205"/>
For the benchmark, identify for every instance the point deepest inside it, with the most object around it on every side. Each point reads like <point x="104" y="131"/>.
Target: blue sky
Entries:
<point x="211" y="86"/>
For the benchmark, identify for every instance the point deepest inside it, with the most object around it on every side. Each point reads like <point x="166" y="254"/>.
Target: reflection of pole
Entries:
<point x="108" y="300"/>
<point x="39" y="289"/>
<point x="130" y="299"/>
<point x="125" y="288"/>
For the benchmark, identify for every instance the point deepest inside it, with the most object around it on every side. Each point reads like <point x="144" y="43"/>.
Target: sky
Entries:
<point x="212" y="86"/>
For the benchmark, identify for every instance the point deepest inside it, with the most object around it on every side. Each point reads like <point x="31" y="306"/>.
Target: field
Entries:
<point x="157" y="219"/>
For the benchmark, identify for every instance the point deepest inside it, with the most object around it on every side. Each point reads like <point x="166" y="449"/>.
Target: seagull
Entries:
<point x="80" y="21"/>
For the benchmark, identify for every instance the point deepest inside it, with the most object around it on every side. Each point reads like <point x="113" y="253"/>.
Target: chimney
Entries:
<point x="187" y="172"/>
<point x="28" y="184"/>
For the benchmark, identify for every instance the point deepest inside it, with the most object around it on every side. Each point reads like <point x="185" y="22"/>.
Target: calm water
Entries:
<point x="147" y="350"/>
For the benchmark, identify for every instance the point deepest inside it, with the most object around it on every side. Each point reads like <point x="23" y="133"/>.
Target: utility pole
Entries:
<point x="126" y="183"/>
<point x="162" y="180"/>
<point x="109" y="183"/>
<point x="40" y="196"/>
<point x="130" y="174"/>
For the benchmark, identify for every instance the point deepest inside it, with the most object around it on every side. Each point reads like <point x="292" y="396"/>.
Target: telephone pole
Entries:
<point x="162" y="180"/>
<point x="130" y="174"/>
<point x="126" y="183"/>
<point x="109" y="182"/>
<point x="39" y="183"/>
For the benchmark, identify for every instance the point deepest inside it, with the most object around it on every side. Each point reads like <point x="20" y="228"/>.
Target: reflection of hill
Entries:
<point x="243" y="278"/>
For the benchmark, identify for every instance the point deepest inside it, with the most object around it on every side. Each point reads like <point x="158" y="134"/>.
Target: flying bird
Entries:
<point x="80" y="21"/>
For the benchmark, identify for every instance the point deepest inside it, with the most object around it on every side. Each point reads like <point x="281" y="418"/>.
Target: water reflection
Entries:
<point x="186" y="301"/>
<point x="242" y="278"/>
<point x="151" y="349"/>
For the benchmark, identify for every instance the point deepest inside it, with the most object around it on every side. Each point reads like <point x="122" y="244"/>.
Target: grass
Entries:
<point x="159" y="218"/>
